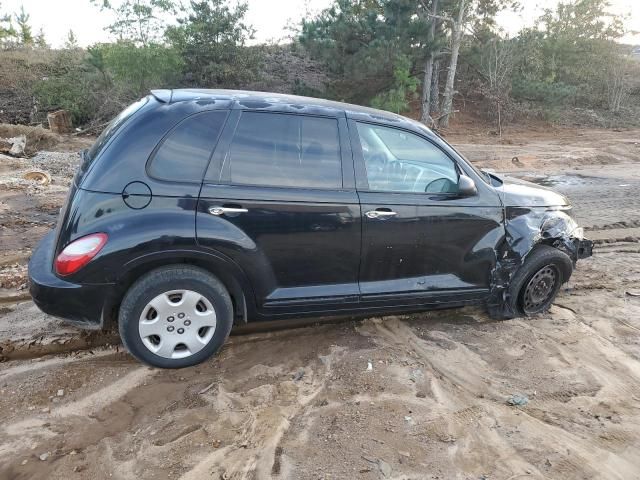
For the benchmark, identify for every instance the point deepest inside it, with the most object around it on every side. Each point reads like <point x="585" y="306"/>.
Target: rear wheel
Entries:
<point x="175" y="316"/>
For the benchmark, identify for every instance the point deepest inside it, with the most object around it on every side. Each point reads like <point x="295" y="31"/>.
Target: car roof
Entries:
<point x="269" y="99"/>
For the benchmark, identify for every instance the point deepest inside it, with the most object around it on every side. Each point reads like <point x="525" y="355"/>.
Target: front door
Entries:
<point x="422" y="243"/>
<point x="276" y="201"/>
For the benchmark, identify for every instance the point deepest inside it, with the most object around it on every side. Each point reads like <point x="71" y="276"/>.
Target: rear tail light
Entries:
<point x="79" y="252"/>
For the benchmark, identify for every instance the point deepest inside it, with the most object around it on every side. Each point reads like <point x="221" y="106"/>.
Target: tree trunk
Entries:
<point x="435" y="87"/>
<point x="425" y="115"/>
<point x="456" y="40"/>
<point x="59" y="121"/>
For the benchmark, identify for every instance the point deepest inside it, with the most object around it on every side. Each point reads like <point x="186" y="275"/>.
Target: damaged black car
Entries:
<point x="197" y="210"/>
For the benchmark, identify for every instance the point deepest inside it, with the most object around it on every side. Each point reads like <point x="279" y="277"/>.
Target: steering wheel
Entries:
<point x="441" y="185"/>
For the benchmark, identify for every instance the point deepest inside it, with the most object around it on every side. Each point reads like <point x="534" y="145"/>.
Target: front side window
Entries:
<point x="282" y="150"/>
<point x="399" y="161"/>
<point x="184" y="154"/>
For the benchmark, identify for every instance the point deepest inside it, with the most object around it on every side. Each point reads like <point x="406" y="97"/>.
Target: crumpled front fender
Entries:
<point x="524" y="229"/>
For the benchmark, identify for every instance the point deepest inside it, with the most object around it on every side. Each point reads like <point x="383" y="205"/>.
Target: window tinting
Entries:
<point x="184" y="153"/>
<point x="286" y="151"/>
<point x="113" y="127"/>
<point x="399" y="161"/>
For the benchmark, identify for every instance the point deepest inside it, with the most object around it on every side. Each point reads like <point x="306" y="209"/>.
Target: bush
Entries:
<point x="550" y="93"/>
<point x="69" y="86"/>
<point x="135" y="70"/>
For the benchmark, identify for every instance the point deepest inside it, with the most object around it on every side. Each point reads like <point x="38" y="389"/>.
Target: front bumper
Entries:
<point x="584" y="248"/>
<point x="83" y="305"/>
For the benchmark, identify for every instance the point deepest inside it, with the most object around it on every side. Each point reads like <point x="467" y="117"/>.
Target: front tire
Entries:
<point x="534" y="287"/>
<point x="175" y="316"/>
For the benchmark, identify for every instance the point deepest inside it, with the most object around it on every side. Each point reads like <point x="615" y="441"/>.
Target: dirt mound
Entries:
<point x="38" y="138"/>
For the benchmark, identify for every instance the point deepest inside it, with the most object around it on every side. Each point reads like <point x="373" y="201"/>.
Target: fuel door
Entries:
<point x="137" y="195"/>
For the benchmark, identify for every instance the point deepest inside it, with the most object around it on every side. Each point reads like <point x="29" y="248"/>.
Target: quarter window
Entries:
<point x="282" y="150"/>
<point x="184" y="154"/>
<point x="399" y="161"/>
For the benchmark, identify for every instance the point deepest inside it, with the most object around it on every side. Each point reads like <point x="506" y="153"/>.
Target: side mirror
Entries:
<point x="466" y="187"/>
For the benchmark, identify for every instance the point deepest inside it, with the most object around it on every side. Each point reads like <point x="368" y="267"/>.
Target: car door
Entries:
<point x="422" y="241"/>
<point x="279" y="199"/>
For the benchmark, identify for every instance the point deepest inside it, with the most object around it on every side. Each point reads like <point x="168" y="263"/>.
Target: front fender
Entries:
<point x="526" y="227"/>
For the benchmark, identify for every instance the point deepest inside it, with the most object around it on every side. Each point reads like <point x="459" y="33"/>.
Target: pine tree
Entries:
<point x="7" y="31"/>
<point x="40" y="40"/>
<point x="138" y="21"/>
<point x="211" y="39"/>
<point x="72" y="42"/>
<point x="25" y="37"/>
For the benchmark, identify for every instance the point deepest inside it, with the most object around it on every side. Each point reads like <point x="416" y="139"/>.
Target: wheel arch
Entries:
<point x="229" y="273"/>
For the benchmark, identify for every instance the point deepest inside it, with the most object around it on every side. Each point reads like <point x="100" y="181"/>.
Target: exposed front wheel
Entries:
<point x="175" y="316"/>
<point x="535" y="285"/>
<point x="540" y="291"/>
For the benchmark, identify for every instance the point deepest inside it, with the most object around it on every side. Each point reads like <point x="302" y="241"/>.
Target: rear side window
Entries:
<point x="113" y="127"/>
<point x="282" y="150"/>
<point x="184" y="154"/>
<point x="88" y="156"/>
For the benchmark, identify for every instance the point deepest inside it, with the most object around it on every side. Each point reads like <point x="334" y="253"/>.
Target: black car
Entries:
<point x="199" y="209"/>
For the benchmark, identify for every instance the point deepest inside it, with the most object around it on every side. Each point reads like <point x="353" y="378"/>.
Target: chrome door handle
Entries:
<point x="222" y="210"/>
<point x="380" y="213"/>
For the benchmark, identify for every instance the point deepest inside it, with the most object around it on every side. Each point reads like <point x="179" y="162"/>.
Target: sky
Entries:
<point x="270" y="18"/>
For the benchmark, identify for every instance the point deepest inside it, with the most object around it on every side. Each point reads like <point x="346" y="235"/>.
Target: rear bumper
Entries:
<point x="83" y="305"/>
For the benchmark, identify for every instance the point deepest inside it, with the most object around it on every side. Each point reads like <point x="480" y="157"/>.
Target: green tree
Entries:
<point x="138" y="21"/>
<point x="72" y="41"/>
<point x="211" y="39"/>
<point x="396" y="99"/>
<point x="137" y="69"/>
<point x="361" y="42"/>
<point x="7" y="32"/>
<point x="24" y="34"/>
<point x="41" y="41"/>
<point x="566" y="56"/>
<point x="69" y="85"/>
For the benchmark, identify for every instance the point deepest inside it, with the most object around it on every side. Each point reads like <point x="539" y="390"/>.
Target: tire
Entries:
<point x="540" y="262"/>
<point x="175" y="316"/>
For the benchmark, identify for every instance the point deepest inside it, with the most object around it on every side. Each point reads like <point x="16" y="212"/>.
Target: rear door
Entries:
<point x="422" y="243"/>
<point x="279" y="199"/>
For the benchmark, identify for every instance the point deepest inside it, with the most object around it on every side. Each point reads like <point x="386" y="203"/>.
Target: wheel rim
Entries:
<point x="177" y="324"/>
<point x="540" y="289"/>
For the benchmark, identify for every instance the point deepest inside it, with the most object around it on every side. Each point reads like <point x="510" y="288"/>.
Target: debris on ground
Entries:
<point x="13" y="276"/>
<point x="518" y="400"/>
<point x="416" y="375"/>
<point x="36" y="138"/>
<point x="59" y="121"/>
<point x="207" y="388"/>
<point x="384" y="467"/>
<point x="14" y="146"/>
<point x="39" y="176"/>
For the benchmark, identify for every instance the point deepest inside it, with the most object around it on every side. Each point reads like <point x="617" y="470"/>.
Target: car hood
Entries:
<point x="520" y="193"/>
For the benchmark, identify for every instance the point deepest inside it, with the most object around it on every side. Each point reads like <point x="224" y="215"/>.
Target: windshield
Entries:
<point x="486" y="177"/>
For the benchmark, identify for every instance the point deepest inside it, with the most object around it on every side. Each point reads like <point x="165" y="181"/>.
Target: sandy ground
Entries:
<point x="416" y="397"/>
